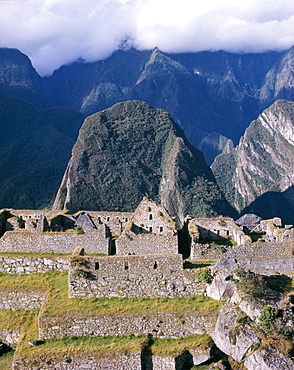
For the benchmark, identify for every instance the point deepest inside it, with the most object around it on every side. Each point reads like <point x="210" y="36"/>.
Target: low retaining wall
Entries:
<point x="30" y="265"/>
<point x="105" y="361"/>
<point x="21" y="299"/>
<point x="9" y="336"/>
<point x="28" y="242"/>
<point x="133" y="361"/>
<point x="158" y="324"/>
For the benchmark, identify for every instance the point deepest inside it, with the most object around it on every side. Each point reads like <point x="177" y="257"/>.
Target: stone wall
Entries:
<point x="25" y="241"/>
<point x="105" y="361"/>
<point x="272" y="256"/>
<point x="29" y="265"/>
<point x="132" y="276"/>
<point x="9" y="336"/>
<point x="168" y="325"/>
<point x="151" y="217"/>
<point x="216" y="229"/>
<point x="108" y="361"/>
<point x="21" y="299"/>
<point x="142" y="244"/>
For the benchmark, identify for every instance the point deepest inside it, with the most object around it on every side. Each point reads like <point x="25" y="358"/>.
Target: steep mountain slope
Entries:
<point x="279" y="81"/>
<point x="131" y="150"/>
<point x="19" y="78"/>
<point x="35" y="146"/>
<point x="258" y="175"/>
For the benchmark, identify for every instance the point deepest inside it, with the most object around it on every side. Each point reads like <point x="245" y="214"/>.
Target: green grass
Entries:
<point x="6" y="361"/>
<point x="56" y="287"/>
<point x="254" y="235"/>
<point x="174" y="346"/>
<point x="16" y="319"/>
<point x="80" y="346"/>
<point x="24" y="254"/>
<point x="198" y="264"/>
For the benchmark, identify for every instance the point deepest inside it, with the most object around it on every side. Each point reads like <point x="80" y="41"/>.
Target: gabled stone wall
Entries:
<point x="132" y="276"/>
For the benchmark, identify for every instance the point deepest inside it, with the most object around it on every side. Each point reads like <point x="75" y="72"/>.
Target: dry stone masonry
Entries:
<point x="141" y="259"/>
<point x="131" y="276"/>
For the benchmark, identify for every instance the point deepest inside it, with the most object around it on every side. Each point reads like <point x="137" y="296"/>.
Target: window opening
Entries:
<point x="97" y="266"/>
<point x="126" y="265"/>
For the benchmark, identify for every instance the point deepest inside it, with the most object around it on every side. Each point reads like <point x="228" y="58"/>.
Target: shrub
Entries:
<point x="79" y="230"/>
<point x="77" y="261"/>
<point x="250" y="284"/>
<point x="267" y="318"/>
<point x="204" y="276"/>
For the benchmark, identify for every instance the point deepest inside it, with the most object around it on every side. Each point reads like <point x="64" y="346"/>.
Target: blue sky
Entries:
<point x="56" y="32"/>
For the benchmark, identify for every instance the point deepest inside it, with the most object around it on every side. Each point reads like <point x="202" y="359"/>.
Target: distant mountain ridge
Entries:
<point x="205" y="92"/>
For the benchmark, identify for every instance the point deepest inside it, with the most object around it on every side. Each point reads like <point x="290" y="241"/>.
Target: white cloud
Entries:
<point x="55" y="32"/>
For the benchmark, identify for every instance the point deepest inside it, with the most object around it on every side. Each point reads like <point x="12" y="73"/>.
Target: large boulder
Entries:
<point x="222" y="288"/>
<point x="268" y="358"/>
<point x="231" y="337"/>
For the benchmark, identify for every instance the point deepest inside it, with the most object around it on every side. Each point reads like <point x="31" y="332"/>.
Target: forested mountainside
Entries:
<point x="35" y="147"/>
<point x="132" y="150"/>
<point x="258" y="175"/>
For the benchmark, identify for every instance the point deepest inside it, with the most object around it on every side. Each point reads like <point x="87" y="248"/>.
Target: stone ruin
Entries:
<point x="141" y="259"/>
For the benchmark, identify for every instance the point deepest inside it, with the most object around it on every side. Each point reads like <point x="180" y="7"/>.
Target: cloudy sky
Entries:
<point x="56" y="32"/>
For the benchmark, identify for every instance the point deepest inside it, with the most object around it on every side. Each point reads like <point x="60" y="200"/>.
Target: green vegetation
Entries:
<point x="136" y="145"/>
<point x="281" y="283"/>
<point x="204" y="276"/>
<point x="267" y="319"/>
<point x="79" y="230"/>
<point x="254" y="235"/>
<point x="6" y="361"/>
<point x="170" y="347"/>
<point x="197" y="264"/>
<point x="250" y="284"/>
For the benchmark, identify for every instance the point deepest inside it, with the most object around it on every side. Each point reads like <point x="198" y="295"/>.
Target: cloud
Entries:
<point x="54" y="32"/>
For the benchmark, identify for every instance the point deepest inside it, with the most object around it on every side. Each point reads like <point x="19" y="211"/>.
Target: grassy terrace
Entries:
<point x="55" y="286"/>
<point x="58" y="304"/>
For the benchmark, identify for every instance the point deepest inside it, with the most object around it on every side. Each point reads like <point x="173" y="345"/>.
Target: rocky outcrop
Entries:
<point x="240" y="329"/>
<point x="131" y="150"/>
<point x="257" y="176"/>
<point x="234" y="339"/>
<point x="268" y="358"/>
<point x="221" y="288"/>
